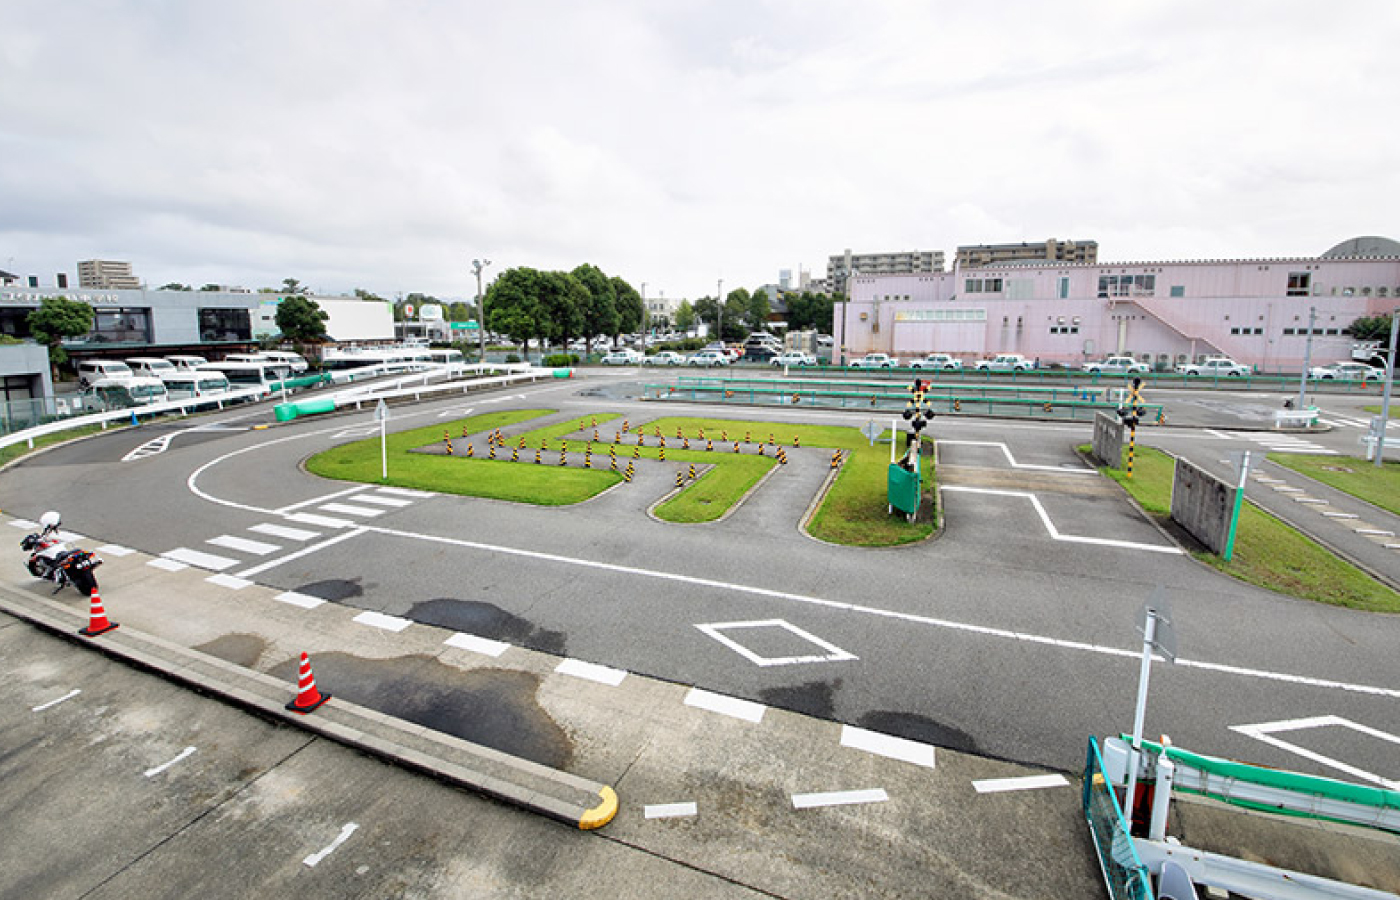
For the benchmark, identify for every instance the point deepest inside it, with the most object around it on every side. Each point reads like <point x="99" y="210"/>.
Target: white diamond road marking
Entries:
<point x="383" y="501"/>
<point x="379" y="620"/>
<point x="198" y="559"/>
<point x="115" y="550"/>
<point x="322" y="521"/>
<point x="229" y="581"/>
<point x="1025" y="783"/>
<point x="1265" y="731"/>
<point x="833" y="653"/>
<point x="591" y="672"/>
<point x="243" y="545"/>
<point x="475" y="644"/>
<point x="305" y="601"/>
<point x="888" y="746"/>
<point x="282" y="531"/>
<point x="725" y="706"/>
<point x="168" y="565"/>
<point x="349" y="509"/>
<point x="839" y="798"/>
<point x="669" y="810"/>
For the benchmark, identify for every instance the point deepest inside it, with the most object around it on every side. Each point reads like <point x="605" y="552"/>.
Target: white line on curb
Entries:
<point x="839" y="798"/>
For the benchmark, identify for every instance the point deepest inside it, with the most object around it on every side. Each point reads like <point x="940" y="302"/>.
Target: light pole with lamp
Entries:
<point x="719" y="312"/>
<point x="477" y="266"/>
<point x="1385" y="398"/>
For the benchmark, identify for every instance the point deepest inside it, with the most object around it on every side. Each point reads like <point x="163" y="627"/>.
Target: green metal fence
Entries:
<point x="1123" y="872"/>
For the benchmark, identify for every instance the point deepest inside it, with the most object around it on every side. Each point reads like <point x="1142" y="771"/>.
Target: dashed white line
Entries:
<point x="231" y="582"/>
<point x="322" y="521"/>
<point x="839" y="798"/>
<point x="322" y="499"/>
<point x="888" y="746"/>
<point x="591" y="672"/>
<point x="669" y="810"/>
<point x="243" y="545"/>
<point x="726" y="706"/>
<point x="1025" y="783"/>
<point x="115" y="550"/>
<point x="475" y="644"/>
<point x="1341" y="515"/>
<point x="395" y="502"/>
<point x="405" y="492"/>
<point x="168" y="565"/>
<point x="348" y="509"/>
<point x="161" y="768"/>
<point x="199" y="559"/>
<point x="379" y="620"/>
<point x="344" y="835"/>
<point x="305" y="601"/>
<point x="68" y="696"/>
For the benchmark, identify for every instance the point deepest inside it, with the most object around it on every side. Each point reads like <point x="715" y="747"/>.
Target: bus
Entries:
<point x="263" y="374"/>
<point x="190" y="385"/>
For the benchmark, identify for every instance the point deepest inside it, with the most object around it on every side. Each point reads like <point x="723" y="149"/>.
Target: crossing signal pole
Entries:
<point x="1131" y="415"/>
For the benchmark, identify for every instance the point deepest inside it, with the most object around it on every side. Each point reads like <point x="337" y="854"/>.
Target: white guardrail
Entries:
<point x="424" y="374"/>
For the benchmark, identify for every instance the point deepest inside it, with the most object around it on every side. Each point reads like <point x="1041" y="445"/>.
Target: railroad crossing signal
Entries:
<point x="1131" y="415"/>
<point x="918" y="412"/>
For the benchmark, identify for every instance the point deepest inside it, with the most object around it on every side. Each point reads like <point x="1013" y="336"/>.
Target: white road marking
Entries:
<point x="322" y="521"/>
<point x="68" y="696"/>
<point x="282" y="531"/>
<point x="824" y="603"/>
<point x="347" y="509"/>
<point x="229" y="581"/>
<point x="591" y="672"/>
<point x="1264" y="731"/>
<point x="162" y="767"/>
<point x="323" y="499"/>
<point x="406" y="492"/>
<point x="1287" y="489"/>
<point x="725" y="706"/>
<point x="23" y="523"/>
<point x="396" y="502"/>
<point x="115" y="550"/>
<point x="669" y="810"/>
<point x="1011" y="460"/>
<point x="243" y="545"/>
<point x="355" y="432"/>
<point x="305" y="601"/>
<point x="1374" y="532"/>
<point x="457" y="413"/>
<point x="379" y="620"/>
<point x="1341" y="515"/>
<point x="1310" y="500"/>
<point x="344" y="835"/>
<point x="150" y="448"/>
<point x="476" y="644"/>
<point x="1025" y="783"/>
<point x="888" y="746"/>
<point x="839" y="798"/>
<point x="343" y="536"/>
<point x="833" y="653"/>
<point x="199" y="559"/>
<point x="168" y="565"/>
<point x="1055" y="533"/>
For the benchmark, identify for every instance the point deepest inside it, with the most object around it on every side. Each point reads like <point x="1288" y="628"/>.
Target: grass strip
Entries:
<point x="1268" y="552"/>
<point x="1358" y="477"/>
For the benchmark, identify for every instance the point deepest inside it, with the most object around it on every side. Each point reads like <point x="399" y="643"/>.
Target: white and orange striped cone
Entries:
<point x="97" y="621"/>
<point x="308" y="698"/>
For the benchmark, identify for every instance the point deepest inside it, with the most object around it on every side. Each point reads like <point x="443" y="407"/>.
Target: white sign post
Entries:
<point x="381" y="415"/>
<point x="1156" y="623"/>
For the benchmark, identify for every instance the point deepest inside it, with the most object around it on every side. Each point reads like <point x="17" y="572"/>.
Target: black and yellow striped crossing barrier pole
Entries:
<point x="796" y="442"/>
<point x="709" y="446"/>
<point x="539" y="452"/>
<point x="782" y="456"/>
<point x="658" y="434"/>
<point x="626" y="426"/>
<point x="680" y="478"/>
<point x="692" y="471"/>
<point x="469" y="451"/>
<point x="493" y="451"/>
<point x="662" y="452"/>
<point x="736" y="446"/>
<point x="1131" y="415"/>
<point x="685" y="443"/>
<point x="724" y="436"/>
<point x="680" y="433"/>
<point x="515" y="455"/>
<point x="521" y="445"/>
<point x="464" y="432"/>
<point x="449" y="447"/>
<point x="595" y="435"/>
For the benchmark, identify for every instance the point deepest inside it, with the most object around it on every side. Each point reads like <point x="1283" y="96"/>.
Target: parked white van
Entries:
<point x="292" y="360"/>
<point x="150" y="366"/>
<point x="192" y="385"/>
<point x="90" y="371"/>
<point x="187" y="362"/>
<point x="262" y="373"/>
<point x="122" y="393"/>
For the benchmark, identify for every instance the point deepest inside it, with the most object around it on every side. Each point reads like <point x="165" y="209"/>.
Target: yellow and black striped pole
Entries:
<point x="680" y="478"/>
<point x="538" y="453"/>
<point x="469" y="451"/>
<point x="515" y="455"/>
<point x="493" y="451"/>
<point x="449" y="447"/>
<point x="692" y="471"/>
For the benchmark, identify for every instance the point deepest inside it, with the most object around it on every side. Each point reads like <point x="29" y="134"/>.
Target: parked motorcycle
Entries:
<point x="50" y="558"/>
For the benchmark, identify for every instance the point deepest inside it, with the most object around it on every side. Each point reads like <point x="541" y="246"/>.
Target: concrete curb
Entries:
<point x="558" y="795"/>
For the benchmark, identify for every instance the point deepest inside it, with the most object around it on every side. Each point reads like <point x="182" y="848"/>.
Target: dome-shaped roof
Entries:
<point x="1365" y="246"/>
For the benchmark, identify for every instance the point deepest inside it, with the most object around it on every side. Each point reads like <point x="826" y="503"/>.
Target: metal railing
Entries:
<point x="1124" y="873"/>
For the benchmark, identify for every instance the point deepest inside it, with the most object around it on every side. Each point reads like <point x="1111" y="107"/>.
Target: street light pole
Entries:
<point x="477" y="266"/>
<point x="1385" y="399"/>
<point x="719" y="312"/>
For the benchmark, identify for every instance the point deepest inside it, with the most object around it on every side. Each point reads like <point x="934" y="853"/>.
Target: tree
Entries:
<point x="757" y="311"/>
<point x="55" y="319"/>
<point x="1370" y="328"/>
<point x="513" y="304"/>
<point x="301" y="321"/>
<point x="175" y="286"/>
<point x="631" y="311"/>
<point x="457" y="311"/>
<point x="685" y="317"/>
<point x="600" y="305"/>
<point x="362" y="294"/>
<point x="292" y="286"/>
<point x="211" y="288"/>
<point x="563" y="301"/>
<point x="810" y="312"/>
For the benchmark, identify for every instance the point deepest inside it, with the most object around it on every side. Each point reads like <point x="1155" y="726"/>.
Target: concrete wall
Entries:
<point x="1202" y="504"/>
<point x="1108" y="440"/>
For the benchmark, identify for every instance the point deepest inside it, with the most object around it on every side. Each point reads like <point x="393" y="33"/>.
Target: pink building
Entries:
<point x="1164" y="313"/>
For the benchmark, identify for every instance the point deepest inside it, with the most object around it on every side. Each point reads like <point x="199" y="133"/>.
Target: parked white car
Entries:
<point x="664" y="358"/>
<point x="1118" y="365"/>
<point x="793" y="359"/>
<point x="874" y="361"/>
<point x="708" y="358"/>
<point x="1347" y="371"/>
<point x="941" y="361"/>
<point x="622" y="358"/>
<point x="1005" y="362"/>
<point x="1216" y="366"/>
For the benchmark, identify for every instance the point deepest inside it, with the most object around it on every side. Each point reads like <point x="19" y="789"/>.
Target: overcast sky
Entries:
<point x="383" y="145"/>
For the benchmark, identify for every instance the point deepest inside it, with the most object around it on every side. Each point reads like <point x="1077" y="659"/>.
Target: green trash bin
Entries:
<point x="903" y="489"/>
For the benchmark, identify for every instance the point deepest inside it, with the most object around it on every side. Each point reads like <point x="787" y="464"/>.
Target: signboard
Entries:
<point x="871" y="431"/>
<point x="462" y="326"/>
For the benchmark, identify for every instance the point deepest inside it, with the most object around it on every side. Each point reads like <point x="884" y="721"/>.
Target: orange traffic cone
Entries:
<point x="308" y="698"/>
<point x="97" y="622"/>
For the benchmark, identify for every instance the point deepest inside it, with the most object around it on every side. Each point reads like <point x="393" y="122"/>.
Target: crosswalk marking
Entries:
<point x="243" y="545"/>
<point x="198" y="559"/>
<point x="383" y="501"/>
<point x="348" y="509"/>
<point x="282" y="531"/>
<point x="323" y="521"/>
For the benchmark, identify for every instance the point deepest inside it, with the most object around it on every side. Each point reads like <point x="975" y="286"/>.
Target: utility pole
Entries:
<point x="1389" y="376"/>
<point x="719" y="312"/>
<point x="1307" y="361"/>
<point x="477" y="266"/>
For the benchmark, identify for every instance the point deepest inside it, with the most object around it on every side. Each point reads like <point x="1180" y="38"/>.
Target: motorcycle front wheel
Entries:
<point x="40" y="567"/>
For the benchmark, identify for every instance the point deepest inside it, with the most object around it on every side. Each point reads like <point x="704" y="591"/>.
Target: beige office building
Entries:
<point x="1052" y="250"/>
<point x="107" y="274"/>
